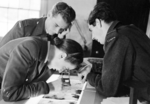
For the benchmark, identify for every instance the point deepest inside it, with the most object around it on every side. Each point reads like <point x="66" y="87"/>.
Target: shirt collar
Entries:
<point x="48" y="48"/>
<point x="112" y="27"/>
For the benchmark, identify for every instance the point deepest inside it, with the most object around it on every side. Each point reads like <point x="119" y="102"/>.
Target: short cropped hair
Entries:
<point x="102" y="11"/>
<point x="66" y="11"/>
<point x="72" y="48"/>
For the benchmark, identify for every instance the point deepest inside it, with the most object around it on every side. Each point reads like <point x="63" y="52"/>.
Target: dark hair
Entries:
<point x="102" y="11"/>
<point x="66" y="11"/>
<point x="72" y="48"/>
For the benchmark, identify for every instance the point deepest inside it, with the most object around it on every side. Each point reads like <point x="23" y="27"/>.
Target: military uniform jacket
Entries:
<point x="24" y="28"/>
<point x="22" y="68"/>
<point x="127" y="58"/>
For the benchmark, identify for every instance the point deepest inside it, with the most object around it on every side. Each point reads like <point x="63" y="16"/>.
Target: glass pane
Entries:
<point x="34" y="14"/>
<point x="3" y="27"/>
<point x="23" y="14"/>
<point x="24" y="4"/>
<point x="10" y="25"/>
<point x="3" y="14"/>
<point x="35" y="4"/>
<point x="14" y="3"/>
<point x="4" y="3"/>
<point x="12" y="15"/>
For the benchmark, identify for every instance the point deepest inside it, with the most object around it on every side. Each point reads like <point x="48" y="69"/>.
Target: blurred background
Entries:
<point x="128" y="11"/>
<point x="14" y="10"/>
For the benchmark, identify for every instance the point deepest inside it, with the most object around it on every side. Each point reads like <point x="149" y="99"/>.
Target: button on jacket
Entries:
<point x="22" y="69"/>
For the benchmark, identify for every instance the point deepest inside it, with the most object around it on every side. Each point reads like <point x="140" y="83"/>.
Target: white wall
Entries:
<point x="82" y="7"/>
<point x="44" y="8"/>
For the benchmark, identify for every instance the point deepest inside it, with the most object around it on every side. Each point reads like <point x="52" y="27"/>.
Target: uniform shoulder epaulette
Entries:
<point x="28" y="22"/>
<point x="110" y="39"/>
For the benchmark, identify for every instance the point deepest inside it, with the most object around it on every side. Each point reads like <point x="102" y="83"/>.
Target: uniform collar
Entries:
<point x="43" y="55"/>
<point x="50" y="53"/>
<point x="113" y="27"/>
<point x="43" y="50"/>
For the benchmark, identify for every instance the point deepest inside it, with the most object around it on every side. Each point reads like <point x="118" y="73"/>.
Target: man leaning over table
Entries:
<point x="126" y="59"/>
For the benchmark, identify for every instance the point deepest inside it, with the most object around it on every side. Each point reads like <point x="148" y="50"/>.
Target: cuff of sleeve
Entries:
<point x="88" y="76"/>
<point x="46" y="87"/>
<point x="91" y="79"/>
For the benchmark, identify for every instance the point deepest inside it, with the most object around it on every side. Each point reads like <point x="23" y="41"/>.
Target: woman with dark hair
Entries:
<point x="72" y="54"/>
<point x="25" y="62"/>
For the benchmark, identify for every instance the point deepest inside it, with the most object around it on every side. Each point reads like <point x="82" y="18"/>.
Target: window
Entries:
<point x="13" y="10"/>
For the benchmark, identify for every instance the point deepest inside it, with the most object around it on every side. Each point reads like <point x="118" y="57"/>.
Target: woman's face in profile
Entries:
<point x="60" y="64"/>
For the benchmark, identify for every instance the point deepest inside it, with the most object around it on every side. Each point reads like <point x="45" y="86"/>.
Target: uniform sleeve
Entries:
<point x="16" y="32"/>
<point x="107" y="82"/>
<point x="14" y="87"/>
<point x="96" y="65"/>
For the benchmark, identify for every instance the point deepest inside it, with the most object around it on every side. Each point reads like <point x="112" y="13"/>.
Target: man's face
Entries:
<point x="55" y="25"/>
<point x="97" y="32"/>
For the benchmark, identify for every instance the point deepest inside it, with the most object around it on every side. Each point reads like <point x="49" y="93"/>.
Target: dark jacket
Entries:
<point x="24" y="28"/>
<point x="22" y="68"/>
<point x="127" y="58"/>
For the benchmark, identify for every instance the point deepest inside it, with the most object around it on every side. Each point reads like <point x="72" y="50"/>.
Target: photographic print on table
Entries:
<point x="69" y="94"/>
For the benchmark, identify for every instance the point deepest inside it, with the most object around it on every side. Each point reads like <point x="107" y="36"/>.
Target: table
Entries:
<point x="89" y="96"/>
